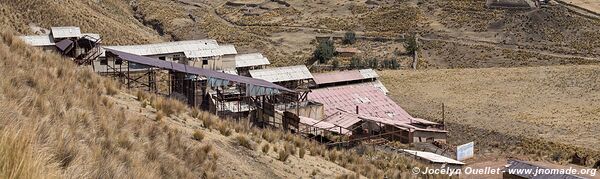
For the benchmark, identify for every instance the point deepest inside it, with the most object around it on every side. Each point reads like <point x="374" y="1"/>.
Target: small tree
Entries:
<point x="373" y="63"/>
<point x="324" y="51"/>
<point x="349" y="37"/>
<point x="411" y="45"/>
<point x="386" y="63"/>
<point x="395" y="64"/>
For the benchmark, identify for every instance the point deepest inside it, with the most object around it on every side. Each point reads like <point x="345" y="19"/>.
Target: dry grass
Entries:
<point x="243" y="140"/>
<point x="75" y="125"/>
<point x="168" y="106"/>
<point x="198" y="135"/>
<point x="283" y="155"/>
<point x="112" y="18"/>
<point x="224" y="129"/>
<point x="266" y="148"/>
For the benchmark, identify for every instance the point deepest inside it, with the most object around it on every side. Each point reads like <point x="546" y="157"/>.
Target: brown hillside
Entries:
<point x="113" y="19"/>
<point x="59" y="120"/>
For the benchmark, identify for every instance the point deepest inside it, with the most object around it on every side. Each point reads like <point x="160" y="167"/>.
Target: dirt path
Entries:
<point x="467" y="41"/>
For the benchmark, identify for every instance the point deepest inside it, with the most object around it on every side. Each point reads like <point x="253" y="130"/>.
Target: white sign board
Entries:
<point x="465" y="151"/>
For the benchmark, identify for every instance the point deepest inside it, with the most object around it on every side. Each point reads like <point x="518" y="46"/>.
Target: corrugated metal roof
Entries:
<point x="253" y="86"/>
<point x="203" y="53"/>
<point x="250" y="59"/>
<point x="228" y="49"/>
<point x="343" y="76"/>
<point x="289" y="73"/>
<point x="38" y="40"/>
<point x="189" y="46"/>
<point x="370" y="101"/>
<point x="64" y="44"/>
<point x="65" y="32"/>
<point x="323" y="125"/>
<point x="516" y="164"/>
<point x="432" y="157"/>
<point x="92" y="35"/>
<point x="343" y="119"/>
<point x="368" y="73"/>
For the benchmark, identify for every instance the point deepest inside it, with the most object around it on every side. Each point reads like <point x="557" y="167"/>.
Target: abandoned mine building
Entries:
<point x="70" y="42"/>
<point x="217" y="79"/>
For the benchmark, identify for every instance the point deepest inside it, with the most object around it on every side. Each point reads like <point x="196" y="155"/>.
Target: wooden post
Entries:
<point x="443" y="116"/>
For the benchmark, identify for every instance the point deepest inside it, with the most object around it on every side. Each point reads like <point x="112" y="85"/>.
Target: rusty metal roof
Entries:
<point x="257" y="86"/>
<point x="370" y="101"/>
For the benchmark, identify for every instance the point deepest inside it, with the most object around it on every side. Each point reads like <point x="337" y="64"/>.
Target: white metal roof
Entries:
<point x="251" y="59"/>
<point x="432" y="157"/>
<point x="203" y="53"/>
<point x="95" y="36"/>
<point x="289" y="73"/>
<point x="65" y="32"/>
<point x="227" y="49"/>
<point x="368" y="73"/>
<point x="38" y="40"/>
<point x="189" y="46"/>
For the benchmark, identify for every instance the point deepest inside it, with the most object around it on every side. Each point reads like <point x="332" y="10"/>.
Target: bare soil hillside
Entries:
<point x="549" y="32"/>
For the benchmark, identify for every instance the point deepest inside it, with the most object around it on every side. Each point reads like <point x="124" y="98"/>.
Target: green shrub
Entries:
<point x="325" y="51"/>
<point x="349" y="37"/>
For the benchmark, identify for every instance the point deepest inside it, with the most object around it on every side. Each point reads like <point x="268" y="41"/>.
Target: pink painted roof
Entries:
<point x="323" y="125"/>
<point x="324" y="78"/>
<point x="370" y="101"/>
<point x="342" y="119"/>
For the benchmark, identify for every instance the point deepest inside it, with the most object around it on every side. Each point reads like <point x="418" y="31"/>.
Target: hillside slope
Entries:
<point x="58" y="120"/>
<point x="85" y="127"/>
<point x="113" y="19"/>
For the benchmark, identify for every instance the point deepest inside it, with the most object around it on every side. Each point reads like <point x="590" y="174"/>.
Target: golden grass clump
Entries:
<point x="266" y="148"/>
<point x="168" y="106"/>
<point x="224" y="129"/>
<point x="283" y="155"/>
<point x="302" y="152"/>
<point x="242" y="140"/>
<point x="198" y="135"/>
